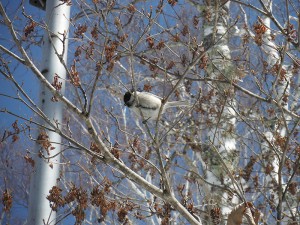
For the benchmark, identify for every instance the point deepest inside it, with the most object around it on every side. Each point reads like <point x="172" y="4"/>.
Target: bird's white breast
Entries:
<point x="149" y="106"/>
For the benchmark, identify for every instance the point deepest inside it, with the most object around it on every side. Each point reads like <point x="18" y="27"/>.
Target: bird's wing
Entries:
<point x="149" y="93"/>
<point x="148" y="101"/>
<point x="176" y="104"/>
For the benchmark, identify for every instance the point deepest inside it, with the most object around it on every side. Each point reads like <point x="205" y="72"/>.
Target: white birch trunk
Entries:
<point x="221" y="133"/>
<point x="281" y="87"/>
<point x="44" y="177"/>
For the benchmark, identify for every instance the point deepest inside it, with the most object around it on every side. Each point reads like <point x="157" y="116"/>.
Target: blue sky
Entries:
<point x="30" y="84"/>
<point x="21" y="73"/>
<point x="24" y="76"/>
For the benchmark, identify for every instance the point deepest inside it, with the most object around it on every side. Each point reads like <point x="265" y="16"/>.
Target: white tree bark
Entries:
<point x="220" y="135"/>
<point x="46" y="172"/>
<point x="280" y="91"/>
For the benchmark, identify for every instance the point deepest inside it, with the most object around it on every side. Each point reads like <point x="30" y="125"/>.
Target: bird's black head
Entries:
<point x="127" y="99"/>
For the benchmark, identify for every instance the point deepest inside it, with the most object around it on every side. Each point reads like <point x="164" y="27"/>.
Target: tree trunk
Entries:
<point x="46" y="171"/>
<point x="223" y="156"/>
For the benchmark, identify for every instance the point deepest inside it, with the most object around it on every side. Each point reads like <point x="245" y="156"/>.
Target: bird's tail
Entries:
<point x="176" y="104"/>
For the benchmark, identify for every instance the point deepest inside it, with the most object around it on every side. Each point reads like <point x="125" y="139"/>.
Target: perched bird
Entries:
<point x="148" y="105"/>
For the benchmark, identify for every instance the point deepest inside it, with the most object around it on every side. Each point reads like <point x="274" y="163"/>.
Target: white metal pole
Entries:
<point x="44" y="177"/>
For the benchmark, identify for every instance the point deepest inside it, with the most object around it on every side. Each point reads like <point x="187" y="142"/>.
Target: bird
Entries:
<point x="147" y="105"/>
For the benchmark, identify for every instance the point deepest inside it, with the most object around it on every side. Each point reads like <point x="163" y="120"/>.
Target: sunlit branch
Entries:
<point x="29" y="63"/>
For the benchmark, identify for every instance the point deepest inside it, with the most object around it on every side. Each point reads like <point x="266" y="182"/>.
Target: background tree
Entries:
<point x="232" y="155"/>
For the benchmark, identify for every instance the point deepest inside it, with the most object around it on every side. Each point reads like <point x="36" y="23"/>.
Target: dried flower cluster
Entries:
<point x="16" y="128"/>
<point x="150" y="41"/>
<point x="7" y="200"/>
<point x="131" y="8"/>
<point x="57" y="85"/>
<point x="80" y="200"/>
<point x="75" y="80"/>
<point x="216" y="215"/>
<point x="172" y="2"/>
<point x="163" y="212"/>
<point x="75" y="195"/>
<point x="29" y="28"/>
<point x="43" y="140"/>
<point x="115" y="151"/>
<point x="29" y="160"/>
<point x="291" y="32"/>
<point x="80" y="30"/>
<point x="277" y="69"/>
<point x="95" y="149"/>
<point x="95" y="32"/>
<point x="259" y="29"/>
<point x="249" y="167"/>
<point x="293" y="187"/>
<point x="110" y="53"/>
<point x="55" y="198"/>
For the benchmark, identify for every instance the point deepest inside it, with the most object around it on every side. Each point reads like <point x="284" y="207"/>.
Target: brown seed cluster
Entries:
<point x="55" y="198"/>
<point x="185" y="31"/>
<point x="280" y="141"/>
<point x="76" y="195"/>
<point x="163" y="212"/>
<point x="80" y="30"/>
<point x="147" y="87"/>
<point x="249" y="168"/>
<point x="29" y="160"/>
<point x="43" y="140"/>
<point x="259" y="30"/>
<point x="172" y="2"/>
<point x="150" y="41"/>
<point x="203" y="61"/>
<point x="291" y="32"/>
<point x="160" y="45"/>
<point x="7" y="200"/>
<point x="15" y="136"/>
<point x="215" y="215"/>
<point x="80" y="200"/>
<point x="95" y="149"/>
<point x="115" y="151"/>
<point x="75" y="80"/>
<point x="110" y="50"/>
<point x="57" y="85"/>
<point x="292" y="188"/>
<point x="29" y="28"/>
<point x="131" y="8"/>
<point x="277" y="69"/>
<point x="95" y="32"/>
<point x="195" y="21"/>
